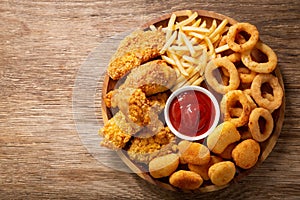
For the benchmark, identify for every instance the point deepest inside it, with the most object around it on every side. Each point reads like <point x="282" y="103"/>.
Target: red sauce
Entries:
<point x="192" y="113"/>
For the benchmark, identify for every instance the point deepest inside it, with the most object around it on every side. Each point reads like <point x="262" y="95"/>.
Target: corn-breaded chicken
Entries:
<point x="119" y="129"/>
<point x="144" y="149"/>
<point x="137" y="48"/>
<point x="133" y="103"/>
<point x="152" y="77"/>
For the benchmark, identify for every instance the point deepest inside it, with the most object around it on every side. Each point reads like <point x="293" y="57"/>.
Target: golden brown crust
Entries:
<point x="144" y="149"/>
<point x="152" y="77"/>
<point x="193" y="153"/>
<point x="186" y="180"/>
<point x="223" y="135"/>
<point x="135" y="49"/>
<point x="202" y="170"/>
<point x="117" y="131"/>
<point x="245" y="154"/>
<point x="222" y="173"/>
<point x="164" y="165"/>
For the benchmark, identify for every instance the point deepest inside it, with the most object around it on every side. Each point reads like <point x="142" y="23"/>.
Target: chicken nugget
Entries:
<point x="246" y="153"/>
<point x="164" y="165"/>
<point x="186" y="180"/>
<point x="202" y="170"/>
<point x="222" y="173"/>
<point x="193" y="153"/>
<point x="223" y="135"/>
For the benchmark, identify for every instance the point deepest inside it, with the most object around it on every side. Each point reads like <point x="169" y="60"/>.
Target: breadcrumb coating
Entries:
<point x="137" y="48"/>
<point x="117" y="131"/>
<point x="145" y="149"/>
<point x="152" y="77"/>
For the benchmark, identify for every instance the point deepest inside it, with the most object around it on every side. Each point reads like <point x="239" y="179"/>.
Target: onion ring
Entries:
<point x="267" y="102"/>
<point x="234" y="80"/>
<point x="236" y="29"/>
<point x="246" y="75"/>
<point x="234" y="57"/>
<point x="228" y="102"/>
<point x="254" y="124"/>
<point x="264" y="67"/>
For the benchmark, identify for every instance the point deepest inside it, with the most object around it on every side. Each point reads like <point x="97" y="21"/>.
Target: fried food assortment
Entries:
<point x="231" y="60"/>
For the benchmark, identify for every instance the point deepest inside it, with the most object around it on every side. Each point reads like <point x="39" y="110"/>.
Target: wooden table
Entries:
<point x="43" y="45"/>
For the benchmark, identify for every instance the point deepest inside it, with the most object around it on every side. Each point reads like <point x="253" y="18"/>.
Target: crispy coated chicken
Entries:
<point x="146" y="147"/>
<point x="120" y="128"/>
<point x="137" y="48"/>
<point x="152" y="77"/>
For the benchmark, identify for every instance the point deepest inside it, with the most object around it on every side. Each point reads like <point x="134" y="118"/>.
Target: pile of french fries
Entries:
<point x="190" y="45"/>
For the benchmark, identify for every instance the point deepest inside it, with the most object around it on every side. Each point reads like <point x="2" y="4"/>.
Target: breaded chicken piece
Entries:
<point x="133" y="103"/>
<point x="144" y="149"/>
<point x="117" y="131"/>
<point x="152" y="77"/>
<point x="137" y="48"/>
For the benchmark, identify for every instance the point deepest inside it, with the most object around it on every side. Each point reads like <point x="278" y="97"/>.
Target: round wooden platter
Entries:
<point x="266" y="147"/>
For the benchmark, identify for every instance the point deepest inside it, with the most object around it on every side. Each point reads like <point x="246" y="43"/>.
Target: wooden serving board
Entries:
<point x="266" y="147"/>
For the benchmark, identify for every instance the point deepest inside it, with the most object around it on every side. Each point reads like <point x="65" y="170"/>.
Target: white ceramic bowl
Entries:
<point x="192" y="88"/>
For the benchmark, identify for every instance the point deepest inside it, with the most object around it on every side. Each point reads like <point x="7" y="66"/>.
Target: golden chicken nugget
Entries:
<point x="223" y="135"/>
<point x="164" y="165"/>
<point x="202" y="170"/>
<point x="226" y="154"/>
<point x="193" y="153"/>
<point x="222" y="173"/>
<point x="245" y="154"/>
<point x="186" y="180"/>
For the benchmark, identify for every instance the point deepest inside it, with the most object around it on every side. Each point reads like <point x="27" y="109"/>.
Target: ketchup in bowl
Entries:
<point x="192" y="113"/>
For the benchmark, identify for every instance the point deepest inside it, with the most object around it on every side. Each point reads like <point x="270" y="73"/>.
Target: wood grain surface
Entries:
<point x="43" y="45"/>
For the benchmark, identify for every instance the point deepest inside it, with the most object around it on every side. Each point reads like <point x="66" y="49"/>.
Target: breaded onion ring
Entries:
<point x="254" y="125"/>
<point x="233" y="34"/>
<point x="268" y="103"/>
<point x="246" y="75"/>
<point x="264" y="67"/>
<point x="234" y="80"/>
<point x="234" y="57"/>
<point x="228" y="102"/>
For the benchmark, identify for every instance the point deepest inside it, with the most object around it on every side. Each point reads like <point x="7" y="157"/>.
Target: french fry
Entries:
<point x="190" y="45"/>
